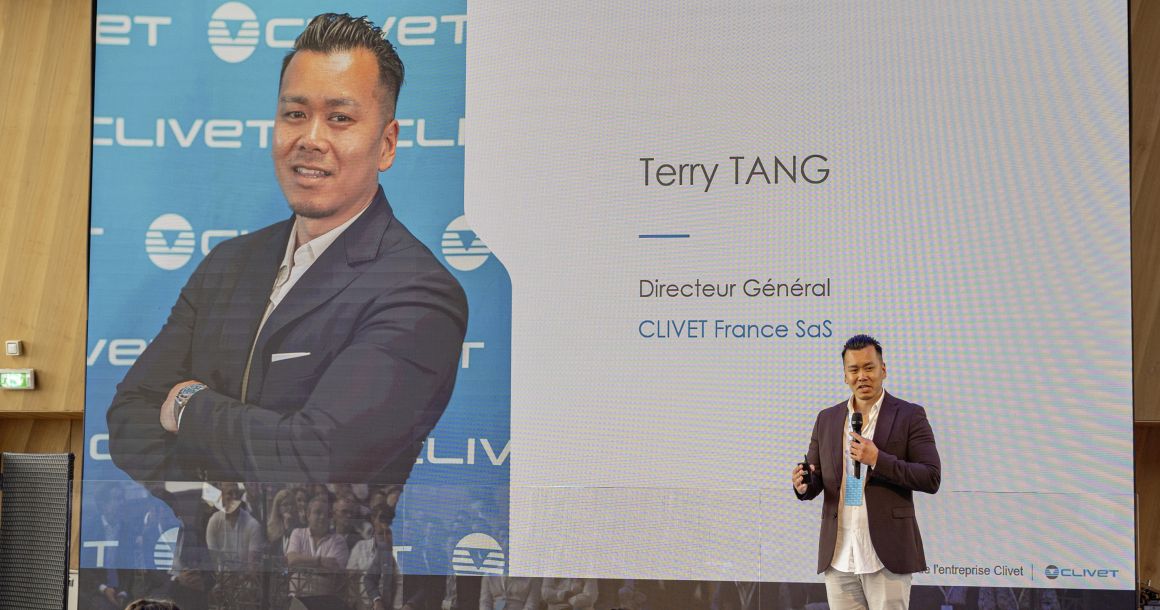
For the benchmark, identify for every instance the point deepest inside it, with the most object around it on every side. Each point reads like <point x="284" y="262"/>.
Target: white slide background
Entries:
<point x="975" y="219"/>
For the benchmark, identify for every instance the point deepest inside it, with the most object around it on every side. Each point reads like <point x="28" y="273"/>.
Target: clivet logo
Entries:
<point x="1053" y="572"/>
<point x="234" y="32"/>
<point x="462" y="248"/>
<point x="478" y="555"/>
<point x="171" y="240"/>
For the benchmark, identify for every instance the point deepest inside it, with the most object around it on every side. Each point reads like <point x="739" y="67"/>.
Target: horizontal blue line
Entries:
<point x="663" y="236"/>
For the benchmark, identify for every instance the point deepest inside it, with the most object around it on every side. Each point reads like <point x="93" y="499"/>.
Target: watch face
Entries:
<point x="187" y="392"/>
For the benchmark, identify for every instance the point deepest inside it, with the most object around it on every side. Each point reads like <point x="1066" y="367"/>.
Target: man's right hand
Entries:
<point x="799" y="480"/>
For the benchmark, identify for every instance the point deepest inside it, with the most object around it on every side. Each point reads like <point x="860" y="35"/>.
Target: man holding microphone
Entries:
<point x="869" y="454"/>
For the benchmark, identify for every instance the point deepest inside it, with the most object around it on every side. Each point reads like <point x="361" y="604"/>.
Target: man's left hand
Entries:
<point x="168" y="416"/>
<point x="863" y="449"/>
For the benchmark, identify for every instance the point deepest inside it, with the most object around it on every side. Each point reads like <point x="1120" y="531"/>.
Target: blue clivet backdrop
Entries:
<point x="184" y="101"/>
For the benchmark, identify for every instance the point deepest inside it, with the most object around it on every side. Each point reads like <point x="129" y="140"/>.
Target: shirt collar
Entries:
<point x="872" y="415"/>
<point x="311" y="250"/>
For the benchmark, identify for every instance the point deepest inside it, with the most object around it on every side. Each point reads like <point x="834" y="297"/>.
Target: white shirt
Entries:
<point x="853" y="550"/>
<point x="233" y="544"/>
<point x="295" y="262"/>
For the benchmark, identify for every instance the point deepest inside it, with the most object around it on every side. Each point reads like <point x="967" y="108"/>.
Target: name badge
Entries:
<point x="853" y="491"/>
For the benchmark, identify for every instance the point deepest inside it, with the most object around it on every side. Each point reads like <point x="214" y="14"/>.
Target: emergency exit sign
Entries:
<point x="17" y="379"/>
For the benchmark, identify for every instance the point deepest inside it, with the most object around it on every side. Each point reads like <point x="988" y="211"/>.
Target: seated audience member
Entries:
<point x="382" y="582"/>
<point x="509" y="593"/>
<point x="569" y="593"/>
<point x="233" y="536"/>
<point x="301" y="499"/>
<point x="282" y="521"/>
<point x="349" y="522"/>
<point x="316" y="555"/>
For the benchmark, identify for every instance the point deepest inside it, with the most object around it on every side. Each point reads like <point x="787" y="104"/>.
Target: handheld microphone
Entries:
<point x="856" y="424"/>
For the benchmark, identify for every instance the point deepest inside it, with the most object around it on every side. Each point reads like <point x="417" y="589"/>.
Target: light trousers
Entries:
<point x="881" y="590"/>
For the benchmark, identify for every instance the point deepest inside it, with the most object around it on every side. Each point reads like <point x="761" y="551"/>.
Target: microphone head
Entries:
<point x="856" y="422"/>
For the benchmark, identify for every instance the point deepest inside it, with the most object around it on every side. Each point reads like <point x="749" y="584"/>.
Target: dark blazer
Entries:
<point x="382" y="324"/>
<point x="907" y="462"/>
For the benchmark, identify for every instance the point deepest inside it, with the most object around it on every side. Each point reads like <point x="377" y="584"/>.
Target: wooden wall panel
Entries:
<point x="45" y="112"/>
<point x="1148" y="503"/>
<point x="1145" y="43"/>
<point x="1144" y="24"/>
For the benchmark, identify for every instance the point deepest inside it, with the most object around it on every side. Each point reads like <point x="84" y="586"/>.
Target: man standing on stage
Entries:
<point x="870" y="543"/>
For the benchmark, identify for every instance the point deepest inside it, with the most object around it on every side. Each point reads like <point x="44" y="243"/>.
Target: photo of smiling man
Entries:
<point x="320" y="349"/>
<point x="269" y="332"/>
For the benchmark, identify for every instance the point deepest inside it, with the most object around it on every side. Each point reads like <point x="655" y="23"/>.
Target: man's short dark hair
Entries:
<point x="858" y="342"/>
<point x="334" y="32"/>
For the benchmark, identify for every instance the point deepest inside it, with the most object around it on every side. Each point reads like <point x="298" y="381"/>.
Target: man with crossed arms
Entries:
<point x="321" y="349"/>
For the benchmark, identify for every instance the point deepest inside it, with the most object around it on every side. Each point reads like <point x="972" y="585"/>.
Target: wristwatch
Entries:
<point x="182" y="399"/>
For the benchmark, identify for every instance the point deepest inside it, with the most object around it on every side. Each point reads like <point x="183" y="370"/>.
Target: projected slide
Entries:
<point x="553" y="328"/>
<point x="699" y="203"/>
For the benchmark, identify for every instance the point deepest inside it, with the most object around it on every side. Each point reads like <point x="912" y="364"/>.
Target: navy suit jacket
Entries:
<point x="907" y="462"/>
<point x="382" y="324"/>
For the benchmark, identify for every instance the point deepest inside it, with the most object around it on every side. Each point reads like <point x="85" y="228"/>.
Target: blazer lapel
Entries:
<point x="253" y="277"/>
<point x="328" y="276"/>
<point x="886" y="417"/>
<point x="837" y="455"/>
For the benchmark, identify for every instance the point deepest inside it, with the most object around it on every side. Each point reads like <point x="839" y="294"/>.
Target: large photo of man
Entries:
<point x="281" y="415"/>
<point x="322" y="348"/>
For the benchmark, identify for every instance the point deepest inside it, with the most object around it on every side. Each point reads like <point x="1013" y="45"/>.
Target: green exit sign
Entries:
<point x="17" y="379"/>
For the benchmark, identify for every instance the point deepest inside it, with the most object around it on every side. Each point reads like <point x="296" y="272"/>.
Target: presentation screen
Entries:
<point x="574" y="348"/>
<point x="700" y="203"/>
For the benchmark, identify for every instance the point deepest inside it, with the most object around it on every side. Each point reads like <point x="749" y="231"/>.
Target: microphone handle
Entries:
<point x="856" y="424"/>
<point x="857" y="464"/>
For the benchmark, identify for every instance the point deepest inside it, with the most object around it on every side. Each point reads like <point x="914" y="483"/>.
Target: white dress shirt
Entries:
<point x="853" y="550"/>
